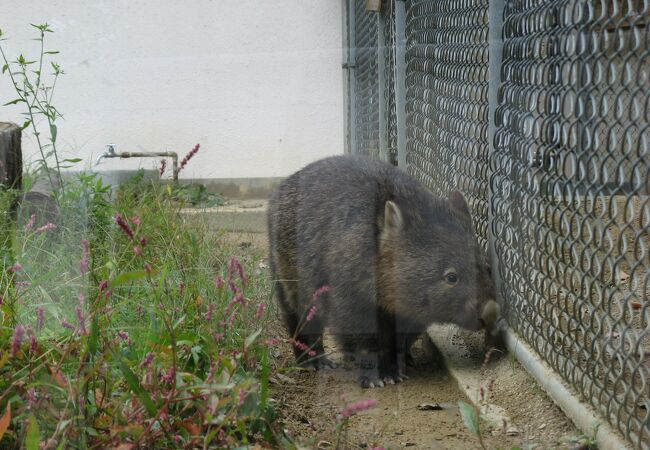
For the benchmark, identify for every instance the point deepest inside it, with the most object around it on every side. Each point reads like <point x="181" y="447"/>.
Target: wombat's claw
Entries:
<point x="324" y="363"/>
<point x="368" y="383"/>
<point x="395" y="379"/>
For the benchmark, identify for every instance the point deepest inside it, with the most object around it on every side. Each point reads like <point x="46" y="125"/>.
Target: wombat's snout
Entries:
<point x="490" y="314"/>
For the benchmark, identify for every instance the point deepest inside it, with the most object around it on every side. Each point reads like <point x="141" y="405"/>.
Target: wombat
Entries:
<point x="388" y="258"/>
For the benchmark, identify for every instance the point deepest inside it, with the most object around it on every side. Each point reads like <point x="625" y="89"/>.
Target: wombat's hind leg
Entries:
<point x="309" y="349"/>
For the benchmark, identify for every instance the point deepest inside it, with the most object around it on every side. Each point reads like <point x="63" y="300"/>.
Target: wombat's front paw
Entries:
<point x="319" y="363"/>
<point x="370" y="381"/>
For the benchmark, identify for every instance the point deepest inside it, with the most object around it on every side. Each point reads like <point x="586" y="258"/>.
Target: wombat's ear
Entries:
<point x="458" y="202"/>
<point x="393" y="220"/>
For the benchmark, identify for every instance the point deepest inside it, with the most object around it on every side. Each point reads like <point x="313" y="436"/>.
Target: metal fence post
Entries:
<point x="400" y="80"/>
<point x="495" y="49"/>
<point x="381" y="88"/>
<point x="349" y="65"/>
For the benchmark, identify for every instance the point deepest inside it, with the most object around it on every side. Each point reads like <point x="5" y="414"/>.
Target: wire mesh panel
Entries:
<point x="366" y="95"/>
<point x="447" y="100"/>
<point x="388" y="9"/>
<point x="570" y="196"/>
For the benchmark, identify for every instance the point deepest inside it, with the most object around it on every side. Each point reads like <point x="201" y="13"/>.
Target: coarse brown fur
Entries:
<point x="396" y="259"/>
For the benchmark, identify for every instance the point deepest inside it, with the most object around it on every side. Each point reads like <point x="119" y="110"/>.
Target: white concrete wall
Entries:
<point x="257" y="83"/>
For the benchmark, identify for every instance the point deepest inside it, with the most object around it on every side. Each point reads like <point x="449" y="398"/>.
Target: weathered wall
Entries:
<point x="257" y="83"/>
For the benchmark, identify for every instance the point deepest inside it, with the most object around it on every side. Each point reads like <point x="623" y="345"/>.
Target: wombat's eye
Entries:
<point x="451" y="276"/>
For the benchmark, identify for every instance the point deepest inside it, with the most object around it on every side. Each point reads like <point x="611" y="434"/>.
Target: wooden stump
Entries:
<point x="11" y="158"/>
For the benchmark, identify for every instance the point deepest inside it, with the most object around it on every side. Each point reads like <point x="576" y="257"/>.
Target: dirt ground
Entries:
<point x="310" y="401"/>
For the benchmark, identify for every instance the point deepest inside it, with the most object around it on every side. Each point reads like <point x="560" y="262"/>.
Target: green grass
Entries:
<point x="167" y="349"/>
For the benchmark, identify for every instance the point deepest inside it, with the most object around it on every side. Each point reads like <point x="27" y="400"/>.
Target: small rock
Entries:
<point x="429" y="407"/>
<point x="542" y="426"/>
<point x="409" y="444"/>
<point x="512" y="431"/>
<point x="399" y="433"/>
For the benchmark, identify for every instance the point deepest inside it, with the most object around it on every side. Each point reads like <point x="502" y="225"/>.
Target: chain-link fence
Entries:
<point x="446" y="100"/>
<point x="366" y="74"/>
<point x="570" y="194"/>
<point x="559" y="186"/>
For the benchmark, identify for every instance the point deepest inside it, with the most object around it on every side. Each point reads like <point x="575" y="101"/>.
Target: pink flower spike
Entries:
<point x="354" y="408"/>
<point x="208" y="314"/>
<point x="15" y="268"/>
<point x="80" y="316"/>
<point x="143" y="241"/>
<point x="123" y="224"/>
<point x="48" y="226"/>
<point x="189" y="156"/>
<point x="136" y="220"/>
<point x="243" y="393"/>
<point x="320" y="291"/>
<point x="40" y="318"/>
<point x="30" y="224"/>
<point x="235" y="265"/>
<point x="163" y="166"/>
<point x="219" y="282"/>
<point x="17" y="340"/>
<point x="273" y="341"/>
<point x="84" y="264"/>
<point x="124" y="336"/>
<point x="311" y="313"/>
<point x="137" y="251"/>
<point x="33" y="342"/>
<point x="147" y="360"/>
<point x="169" y="376"/>
<point x="302" y="346"/>
<point x="261" y="309"/>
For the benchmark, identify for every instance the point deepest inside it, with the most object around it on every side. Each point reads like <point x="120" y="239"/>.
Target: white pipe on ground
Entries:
<point x="582" y="415"/>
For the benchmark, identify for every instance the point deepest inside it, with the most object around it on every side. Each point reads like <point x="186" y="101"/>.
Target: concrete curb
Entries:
<point x="581" y="414"/>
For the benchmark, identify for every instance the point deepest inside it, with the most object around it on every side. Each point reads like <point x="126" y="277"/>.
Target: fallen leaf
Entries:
<point x="635" y="304"/>
<point x="193" y="428"/>
<point x="5" y="421"/>
<point x="430" y="407"/>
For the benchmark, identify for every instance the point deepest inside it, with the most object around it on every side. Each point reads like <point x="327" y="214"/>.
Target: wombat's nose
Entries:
<point x="490" y="313"/>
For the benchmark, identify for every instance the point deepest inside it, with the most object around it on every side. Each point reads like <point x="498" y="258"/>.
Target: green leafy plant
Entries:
<point x="34" y="82"/>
